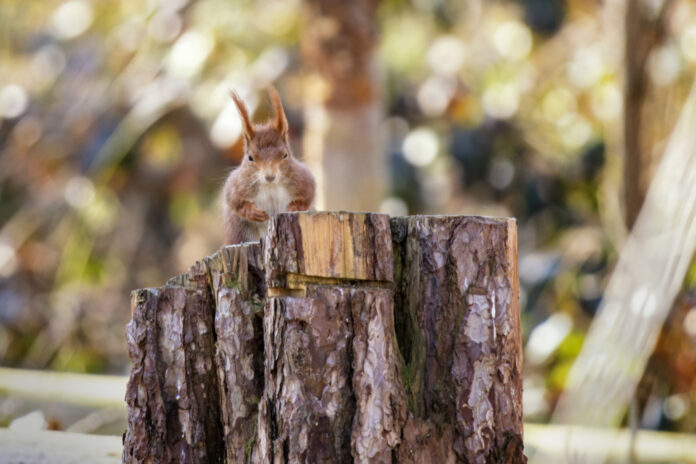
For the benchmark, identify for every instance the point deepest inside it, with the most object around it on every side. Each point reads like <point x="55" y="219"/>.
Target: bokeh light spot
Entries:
<point x="501" y="173"/>
<point x="27" y="131"/>
<point x="79" y="191"/>
<point x="586" y="67"/>
<point x="270" y="65"/>
<point x="130" y="34"/>
<point x="277" y="17"/>
<point x="546" y="337"/>
<point x="575" y="131"/>
<point x="501" y="100"/>
<point x="435" y="95"/>
<point x="48" y="62"/>
<point x="420" y="146"/>
<point x="404" y="43"/>
<point x="513" y="40"/>
<point x="690" y="323"/>
<point x="227" y="127"/>
<point x="72" y="19"/>
<point x="394" y="206"/>
<point x="8" y="259"/>
<point x="607" y="101"/>
<point x="189" y="53"/>
<point x="13" y="101"/>
<point x="664" y="65"/>
<point x="446" y="55"/>
<point x="676" y="407"/>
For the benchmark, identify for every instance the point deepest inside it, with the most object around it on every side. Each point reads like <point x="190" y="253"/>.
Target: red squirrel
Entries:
<point x="270" y="179"/>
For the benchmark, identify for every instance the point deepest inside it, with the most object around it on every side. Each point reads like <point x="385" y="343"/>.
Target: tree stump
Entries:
<point x="344" y="337"/>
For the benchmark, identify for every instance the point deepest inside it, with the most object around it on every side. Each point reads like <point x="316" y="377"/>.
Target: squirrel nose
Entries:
<point x="270" y="177"/>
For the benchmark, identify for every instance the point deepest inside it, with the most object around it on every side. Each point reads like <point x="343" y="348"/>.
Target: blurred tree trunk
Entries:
<point x="647" y="117"/>
<point x="343" y="141"/>
<point x="394" y="341"/>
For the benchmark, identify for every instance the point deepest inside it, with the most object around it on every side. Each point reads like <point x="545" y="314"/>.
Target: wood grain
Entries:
<point x="339" y="245"/>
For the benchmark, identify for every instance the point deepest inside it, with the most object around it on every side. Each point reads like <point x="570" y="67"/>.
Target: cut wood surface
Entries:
<point x="344" y="337"/>
<point x="347" y="246"/>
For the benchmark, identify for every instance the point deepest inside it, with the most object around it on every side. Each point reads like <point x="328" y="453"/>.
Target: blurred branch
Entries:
<point x="42" y="447"/>
<point x="148" y="110"/>
<point x="615" y="444"/>
<point x="82" y="389"/>
<point x="98" y="419"/>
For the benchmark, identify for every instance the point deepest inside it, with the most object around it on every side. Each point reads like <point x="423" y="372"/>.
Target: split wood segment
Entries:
<point x="346" y="337"/>
<point x="316" y="247"/>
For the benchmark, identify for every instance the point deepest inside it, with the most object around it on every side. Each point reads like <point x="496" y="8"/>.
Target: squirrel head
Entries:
<point x="267" y="151"/>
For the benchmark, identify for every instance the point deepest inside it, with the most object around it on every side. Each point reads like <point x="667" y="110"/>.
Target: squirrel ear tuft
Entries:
<point x="244" y="114"/>
<point x="280" y="122"/>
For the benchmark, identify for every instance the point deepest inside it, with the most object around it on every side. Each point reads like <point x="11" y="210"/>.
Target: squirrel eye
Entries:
<point x="285" y="156"/>
<point x="251" y="159"/>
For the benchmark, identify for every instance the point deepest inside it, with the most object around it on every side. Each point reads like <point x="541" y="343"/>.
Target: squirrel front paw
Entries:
<point x="250" y="212"/>
<point x="297" y="205"/>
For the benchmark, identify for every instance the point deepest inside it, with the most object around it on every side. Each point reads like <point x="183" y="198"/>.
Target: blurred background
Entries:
<point x="117" y="131"/>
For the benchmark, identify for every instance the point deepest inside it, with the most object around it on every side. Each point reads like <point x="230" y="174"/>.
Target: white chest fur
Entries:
<point x="273" y="199"/>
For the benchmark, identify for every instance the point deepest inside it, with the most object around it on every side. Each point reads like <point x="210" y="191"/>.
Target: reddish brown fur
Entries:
<point x="268" y="146"/>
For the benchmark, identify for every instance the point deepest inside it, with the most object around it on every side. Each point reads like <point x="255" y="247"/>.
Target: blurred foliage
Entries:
<point x="116" y="133"/>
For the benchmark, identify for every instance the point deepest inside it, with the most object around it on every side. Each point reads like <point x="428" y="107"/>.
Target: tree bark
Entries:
<point x="343" y="338"/>
<point x="334" y="394"/>
<point x="236" y="278"/>
<point x="173" y="382"/>
<point x="459" y="332"/>
<point x="202" y="329"/>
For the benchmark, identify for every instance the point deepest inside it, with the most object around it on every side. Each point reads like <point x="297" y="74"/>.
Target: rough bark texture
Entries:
<point x="334" y="391"/>
<point x="196" y="347"/>
<point x="459" y="334"/>
<point x="173" y="382"/>
<point x="236" y="275"/>
<point x="377" y="383"/>
<point x="348" y="339"/>
<point x="307" y="407"/>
